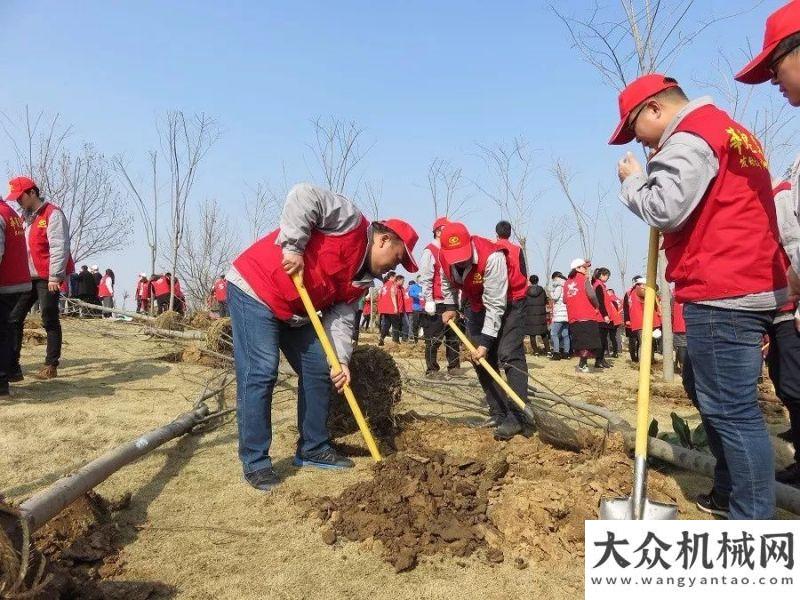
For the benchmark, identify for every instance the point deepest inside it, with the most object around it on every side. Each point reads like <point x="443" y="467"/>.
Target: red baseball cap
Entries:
<point x="440" y="222"/>
<point x="406" y="233"/>
<point x="18" y="186"/>
<point x="781" y="24"/>
<point x="456" y="243"/>
<point x="632" y="96"/>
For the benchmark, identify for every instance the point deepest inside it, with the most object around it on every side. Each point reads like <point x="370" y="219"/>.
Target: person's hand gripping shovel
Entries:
<point x="638" y="506"/>
<point x="336" y="367"/>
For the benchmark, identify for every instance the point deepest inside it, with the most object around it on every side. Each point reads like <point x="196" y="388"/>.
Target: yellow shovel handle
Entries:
<point x="485" y="364"/>
<point x="336" y="365"/>
<point x="646" y="349"/>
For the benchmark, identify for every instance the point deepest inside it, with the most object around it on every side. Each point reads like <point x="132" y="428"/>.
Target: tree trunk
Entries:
<point x="667" y="344"/>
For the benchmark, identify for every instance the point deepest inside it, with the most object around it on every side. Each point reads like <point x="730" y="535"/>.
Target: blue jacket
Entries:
<point x="415" y="291"/>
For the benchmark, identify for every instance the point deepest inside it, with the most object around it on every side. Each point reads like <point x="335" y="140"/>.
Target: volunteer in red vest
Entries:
<point x="180" y="298"/>
<point x="434" y="290"/>
<point x="708" y="189"/>
<point x="366" y="313"/>
<point x="494" y="291"/>
<point x="633" y="313"/>
<point x="389" y="309"/>
<point x="325" y="237"/>
<point x="15" y="280"/>
<point x="406" y="305"/>
<point x="221" y="295"/>
<point x="143" y="294"/>
<point x="679" y="335"/>
<point x="610" y="314"/>
<point x="49" y="261"/>
<point x="162" y="289"/>
<point x="584" y="316"/>
<point x="105" y="291"/>
<point x="616" y="320"/>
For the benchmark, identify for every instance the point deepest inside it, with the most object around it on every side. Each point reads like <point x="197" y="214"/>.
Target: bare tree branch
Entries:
<point x="338" y="148"/>
<point x="448" y="195"/>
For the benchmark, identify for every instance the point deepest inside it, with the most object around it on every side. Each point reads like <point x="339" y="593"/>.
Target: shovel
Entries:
<point x="336" y="366"/>
<point x="525" y="408"/>
<point x="638" y="506"/>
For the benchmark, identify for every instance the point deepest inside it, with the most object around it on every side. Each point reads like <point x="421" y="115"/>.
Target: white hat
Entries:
<point x="142" y="274"/>
<point x="640" y="281"/>
<point x="94" y="268"/>
<point x="578" y="262"/>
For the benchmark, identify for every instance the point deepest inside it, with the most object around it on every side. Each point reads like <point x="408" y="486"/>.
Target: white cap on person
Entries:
<point x="578" y="262"/>
<point x="640" y="281"/>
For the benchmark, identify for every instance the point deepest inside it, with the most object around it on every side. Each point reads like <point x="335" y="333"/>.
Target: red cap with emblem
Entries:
<point x="456" y="243"/>
<point x="632" y="96"/>
<point x="781" y="24"/>
<point x="18" y="186"/>
<point x="409" y="237"/>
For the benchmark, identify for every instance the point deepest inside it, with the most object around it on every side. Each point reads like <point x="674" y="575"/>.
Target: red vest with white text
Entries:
<point x="517" y="282"/>
<point x="436" y="286"/>
<point x="102" y="288"/>
<point x="611" y="307"/>
<point x="221" y="290"/>
<point x="14" y="265"/>
<point x="730" y="245"/>
<point x="472" y="287"/>
<point x="385" y="295"/>
<point x="39" y="245"/>
<point x="330" y="264"/>
<point x="408" y="301"/>
<point x="579" y="307"/>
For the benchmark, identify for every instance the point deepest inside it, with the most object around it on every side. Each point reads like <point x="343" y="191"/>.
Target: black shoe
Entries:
<point x="16" y="375"/>
<point x="4" y="390"/>
<point x="323" y="459"/>
<point x="556" y="356"/>
<point x="380" y="342"/>
<point x="790" y="475"/>
<point x="263" y="480"/>
<point x="602" y="364"/>
<point x="507" y="430"/>
<point x="583" y="369"/>
<point x="492" y="421"/>
<point x="614" y="355"/>
<point x="709" y="503"/>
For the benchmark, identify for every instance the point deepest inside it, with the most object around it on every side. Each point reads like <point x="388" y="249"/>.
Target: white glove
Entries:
<point x="430" y="307"/>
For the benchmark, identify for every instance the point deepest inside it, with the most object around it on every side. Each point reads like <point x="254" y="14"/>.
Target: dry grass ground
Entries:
<point x="195" y="527"/>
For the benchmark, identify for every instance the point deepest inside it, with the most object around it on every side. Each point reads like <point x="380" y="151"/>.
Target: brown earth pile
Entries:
<point x="34" y="337"/>
<point x="170" y="319"/>
<point x="220" y="336"/>
<point x="377" y="386"/>
<point x="452" y="489"/>
<point x="200" y="320"/>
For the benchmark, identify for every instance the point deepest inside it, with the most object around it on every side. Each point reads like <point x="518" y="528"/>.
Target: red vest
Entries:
<point x="579" y="307"/>
<point x="408" y="301"/>
<point x="331" y="263"/>
<point x="143" y="290"/>
<point x="636" y="312"/>
<point x="14" y="265"/>
<point x="160" y="287"/>
<point x="611" y="307"/>
<point x="385" y="295"/>
<point x="39" y="245"/>
<point x="678" y="322"/>
<point x="436" y="287"/>
<point x="221" y="290"/>
<point x="517" y="282"/>
<point x="730" y="246"/>
<point x="178" y="290"/>
<point x="102" y="288"/>
<point x="367" y="307"/>
<point x="472" y="287"/>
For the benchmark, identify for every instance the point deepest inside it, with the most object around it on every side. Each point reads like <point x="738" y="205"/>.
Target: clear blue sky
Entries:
<point x="425" y="79"/>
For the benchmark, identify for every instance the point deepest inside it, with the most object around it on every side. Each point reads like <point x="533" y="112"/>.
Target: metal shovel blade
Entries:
<point x="621" y="509"/>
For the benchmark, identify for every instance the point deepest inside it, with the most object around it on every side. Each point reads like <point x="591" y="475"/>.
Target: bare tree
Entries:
<point x="146" y="206"/>
<point x="556" y="234"/>
<point x="374" y="198"/>
<point x="209" y="249"/>
<point x="263" y="205"/>
<point x="509" y="168"/>
<point x="585" y="215"/>
<point x="619" y="245"/>
<point x="185" y="142"/>
<point x="338" y="147"/>
<point x="447" y="189"/>
<point x="80" y="182"/>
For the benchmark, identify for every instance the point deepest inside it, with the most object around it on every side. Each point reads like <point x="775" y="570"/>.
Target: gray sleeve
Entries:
<point x="309" y="207"/>
<point x="425" y="275"/>
<point x="58" y="238"/>
<point x="788" y="226"/>
<point x="449" y="293"/>
<point x="678" y="178"/>
<point x="339" y="321"/>
<point x="495" y="293"/>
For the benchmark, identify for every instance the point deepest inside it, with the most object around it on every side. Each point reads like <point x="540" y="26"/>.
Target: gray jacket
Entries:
<point x="57" y="237"/>
<point x="677" y="179"/>
<point x="559" y="306"/>
<point x="309" y="207"/>
<point x="789" y="230"/>
<point x="427" y="266"/>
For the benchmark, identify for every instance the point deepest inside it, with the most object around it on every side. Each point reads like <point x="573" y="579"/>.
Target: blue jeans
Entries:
<point x="721" y="377"/>
<point x="258" y="337"/>
<point x="559" y="331"/>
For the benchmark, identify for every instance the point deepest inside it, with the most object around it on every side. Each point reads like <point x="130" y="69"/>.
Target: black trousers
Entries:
<point x="783" y="362"/>
<point x="608" y="338"/>
<point x="393" y="322"/>
<point x="508" y="352"/>
<point x="435" y="332"/>
<point x="48" y="304"/>
<point x="357" y="328"/>
<point x="8" y="336"/>
<point x="634" y="339"/>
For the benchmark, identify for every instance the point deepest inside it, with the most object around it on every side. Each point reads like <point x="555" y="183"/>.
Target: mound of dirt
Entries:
<point x="220" y="336"/>
<point x="81" y="546"/>
<point x="170" y="319"/>
<point x="452" y="489"/>
<point x="377" y="386"/>
<point x="200" y="320"/>
<point x="34" y="337"/>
